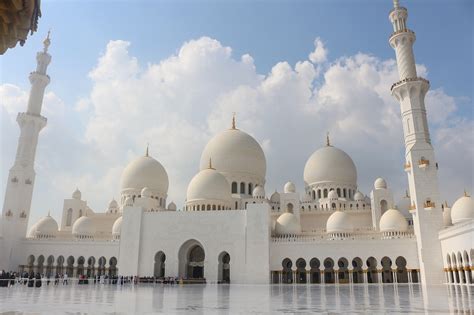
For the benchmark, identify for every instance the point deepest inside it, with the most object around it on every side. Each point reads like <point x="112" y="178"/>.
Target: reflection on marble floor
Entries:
<point x="241" y="299"/>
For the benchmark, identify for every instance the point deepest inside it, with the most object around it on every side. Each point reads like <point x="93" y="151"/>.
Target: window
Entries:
<point x="234" y="187"/>
<point x="250" y="188"/>
<point x="338" y="192"/>
<point x="325" y="193"/>
<point x="69" y="217"/>
<point x="242" y="188"/>
<point x="344" y="193"/>
<point x="319" y="193"/>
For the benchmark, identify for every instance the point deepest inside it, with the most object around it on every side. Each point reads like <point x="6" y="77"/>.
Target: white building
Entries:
<point x="231" y="230"/>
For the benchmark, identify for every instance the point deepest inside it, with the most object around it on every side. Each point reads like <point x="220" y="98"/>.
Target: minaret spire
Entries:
<point x="328" y="143"/>
<point x="410" y="91"/>
<point x="21" y="178"/>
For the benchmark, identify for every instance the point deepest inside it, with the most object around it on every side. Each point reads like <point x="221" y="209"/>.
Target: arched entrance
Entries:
<point x="30" y="262"/>
<point x="60" y="265"/>
<point x="315" y="272"/>
<point x="49" y="266"/>
<point x="70" y="266"/>
<point x="301" y="270"/>
<point x="191" y="260"/>
<point x="80" y="265"/>
<point x="159" y="268"/>
<point x="101" y="268"/>
<point x="329" y="271"/>
<point x="402" y="272"/>
<point x="372" y="270"/>
<point x="387" y="276"/>
<point x="40" y="267"/>
<point x="357" y="273"/>
<point x="112" y="266"/>
<point x="287" y="274"/>
<point x="343" y="272"/>
<point x="224" y="268"/>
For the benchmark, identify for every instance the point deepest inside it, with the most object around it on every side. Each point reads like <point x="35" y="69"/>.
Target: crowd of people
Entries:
<point x="32" y="279"/>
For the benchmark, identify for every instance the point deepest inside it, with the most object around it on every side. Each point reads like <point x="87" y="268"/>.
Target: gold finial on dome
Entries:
<point x="466" y="194"/>
<point x="47" y="42"/>
<point x="49" y="213"/>
<point x="328" y="143"/>
<point x="210" y="164"/>
<point x="233" y="121"/>
<point x="146" y="152"/>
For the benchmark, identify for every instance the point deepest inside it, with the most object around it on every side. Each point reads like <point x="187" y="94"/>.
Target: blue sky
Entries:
<point x="112" y="57"/>
<point x="271" y="31"/>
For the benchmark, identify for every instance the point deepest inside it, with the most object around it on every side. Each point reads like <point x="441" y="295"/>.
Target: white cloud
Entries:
<point x="320" y="53"/>
<point x="179" y="103"/>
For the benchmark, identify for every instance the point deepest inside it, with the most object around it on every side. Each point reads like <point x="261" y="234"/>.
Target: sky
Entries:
<point x="170" y="73"/>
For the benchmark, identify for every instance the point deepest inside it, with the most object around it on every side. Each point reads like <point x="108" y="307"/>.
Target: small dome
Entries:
<point x="462" y="209"/>
<point x="339" y="222"/>
<point x="145" y="171"/>
<point x="393" y="221"/>
<point x="117" y="227"/>
<point x="234" y="153"/>
<point x="330" y="165"/>
<point x="46" y="226"/>
<point x="358" y="196"/>
<point x="380" y="183"/>
<point x="208" y="184"/>
<point x="84" y="226"/>
<point x="113" y="204"/>
<point x="289" y="188"/>
<point x="258" y="192"/>
<point x="172" y="206"/>
<point x="146" y="192"/>
<point x="129" y="201"/>
<point x="287" y="223"/>
<point x="333" y="195"/>
<point x="275" y="197"/>
<point x="77" y="194"/>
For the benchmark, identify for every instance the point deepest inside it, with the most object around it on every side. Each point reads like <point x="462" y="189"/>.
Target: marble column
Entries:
<point x="366" y="279"/>
<point x="409" y="276"/>
<point x="336" y="276"/>
<point x="323" y="280"/>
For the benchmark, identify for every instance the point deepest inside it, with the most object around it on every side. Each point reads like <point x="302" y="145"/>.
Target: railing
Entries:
<point x="401" y="31"/>
<point x="324" y="237"/>
<point x="408" y="80"/>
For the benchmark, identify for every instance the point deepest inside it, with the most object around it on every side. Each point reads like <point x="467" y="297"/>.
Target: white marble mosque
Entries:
<point x="231" y="230"/>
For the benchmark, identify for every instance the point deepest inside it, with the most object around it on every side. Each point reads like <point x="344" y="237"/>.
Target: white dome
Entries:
<point x="32" y="231"/>
<point x="380" y="183"/>
<point x="358" y="196"/>
<point x="117" y="227"/>
<point x="234" y="152"/>
<point x="287" y="223"/>
<point x="208" y="184"/>
<point x="462" y="209"/>
<point x="289" y="188"/>
<point x="172" y="206"/>
<point x="77" y="194"/>
<point x="393" y="221"/>
<point x="333" y="195"/>
<point x="258" y="192"/>
<point x="330" y="164"/>
<point x="275" y="197"/>
<point x="46" y="226"/>
<point x="113" y="204"/>
<point x="339" y="222"/>
<point x="145" y="171"/>
<point x="83" y="227"/>
<point x="146" y="192"/>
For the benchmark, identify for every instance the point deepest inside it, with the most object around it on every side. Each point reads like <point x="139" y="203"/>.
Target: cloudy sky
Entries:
<point x="171" y="73"/>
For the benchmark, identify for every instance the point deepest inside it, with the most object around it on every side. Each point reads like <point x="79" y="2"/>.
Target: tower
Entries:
<point x="21" y="178"/>
<point x="420" y="164"/>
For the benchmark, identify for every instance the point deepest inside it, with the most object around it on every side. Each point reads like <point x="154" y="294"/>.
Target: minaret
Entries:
<point x="420" y="164"/>
<point x="21" y="178"/>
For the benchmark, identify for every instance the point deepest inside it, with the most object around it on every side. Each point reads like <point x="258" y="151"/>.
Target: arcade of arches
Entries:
<point x="460" y="267"/>
<point x="344" y="270"/>
<point x="72" y="266"/>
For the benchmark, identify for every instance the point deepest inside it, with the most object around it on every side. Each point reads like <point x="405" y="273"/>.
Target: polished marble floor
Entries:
<point x="237" y="299"/>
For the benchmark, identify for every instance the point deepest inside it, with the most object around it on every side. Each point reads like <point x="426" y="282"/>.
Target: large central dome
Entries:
<point x="145" y="171"/>
<point x="236" y="153"/>
<point x="330" y="165"/>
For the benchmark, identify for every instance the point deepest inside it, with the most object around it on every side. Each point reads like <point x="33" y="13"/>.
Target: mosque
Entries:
<point x="231" y="230"/>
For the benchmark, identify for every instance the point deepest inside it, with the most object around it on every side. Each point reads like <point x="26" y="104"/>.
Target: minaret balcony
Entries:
<point x="409" y="80"/>
<point x="429" y="205"/>
<point x="423" y="163"/>
<point x="402" y="31"/>
<point x="407" y="167"/>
